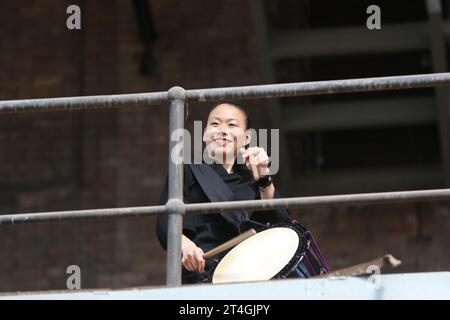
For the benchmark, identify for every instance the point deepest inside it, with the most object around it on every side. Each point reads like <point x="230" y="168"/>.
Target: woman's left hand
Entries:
<point x="258" y="157"/>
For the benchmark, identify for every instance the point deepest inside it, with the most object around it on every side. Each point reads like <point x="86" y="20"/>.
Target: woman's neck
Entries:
<point x="228" y="167"/>
<point x="225" y="162"/>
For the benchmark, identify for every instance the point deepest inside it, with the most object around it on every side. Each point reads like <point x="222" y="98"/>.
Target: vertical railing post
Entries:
<point x="175" y="205"/>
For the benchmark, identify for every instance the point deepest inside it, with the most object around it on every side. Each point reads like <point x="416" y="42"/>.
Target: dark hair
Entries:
<point x="237" y="106"/>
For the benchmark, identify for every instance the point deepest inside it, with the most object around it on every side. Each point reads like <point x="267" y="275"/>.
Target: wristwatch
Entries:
<point x="264" y="182"/>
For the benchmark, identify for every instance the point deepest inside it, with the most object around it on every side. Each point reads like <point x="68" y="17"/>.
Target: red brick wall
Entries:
<point x="112" y="158"/>
<point x="100" y="158"/>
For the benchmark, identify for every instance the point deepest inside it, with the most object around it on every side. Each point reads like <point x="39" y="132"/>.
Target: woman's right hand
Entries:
<point x="192" y="255"/>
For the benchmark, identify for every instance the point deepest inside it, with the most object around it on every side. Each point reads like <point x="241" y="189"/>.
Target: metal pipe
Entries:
<point x="303" y="202"/>
<point x="243" y="92"/>
<point x="13" y="219"/>
<point x="249" y="205"/>
<point x="320" y="87"/>
<point x="175" y="206"/>
<point x="79" y="103"/>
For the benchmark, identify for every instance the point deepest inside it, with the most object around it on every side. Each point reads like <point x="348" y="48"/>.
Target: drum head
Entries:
<point x="258" y="258"/>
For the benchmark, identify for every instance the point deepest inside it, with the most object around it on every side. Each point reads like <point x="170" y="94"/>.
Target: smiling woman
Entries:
<point x="227" y="137"/>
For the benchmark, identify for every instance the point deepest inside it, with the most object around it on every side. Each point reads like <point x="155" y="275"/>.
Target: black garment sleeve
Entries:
<point x="162" y="221"/>
<point x="272" y="216"/>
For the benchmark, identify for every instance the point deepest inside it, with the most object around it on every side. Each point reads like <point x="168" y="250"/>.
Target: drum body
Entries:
<point x="280" y="251"/>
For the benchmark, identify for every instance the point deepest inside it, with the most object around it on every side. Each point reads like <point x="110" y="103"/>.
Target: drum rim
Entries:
<point x="303" y="245"/>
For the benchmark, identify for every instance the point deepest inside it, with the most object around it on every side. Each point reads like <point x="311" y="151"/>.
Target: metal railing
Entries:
<point x="178" y="97"/>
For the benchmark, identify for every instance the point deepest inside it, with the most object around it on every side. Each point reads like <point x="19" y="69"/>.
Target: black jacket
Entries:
<point x="208" y="231"/>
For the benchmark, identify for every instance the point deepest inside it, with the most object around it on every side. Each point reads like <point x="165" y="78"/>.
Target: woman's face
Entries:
<point x="225" y="132"/>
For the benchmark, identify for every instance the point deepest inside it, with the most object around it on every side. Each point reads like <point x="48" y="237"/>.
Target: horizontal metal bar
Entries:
<point x="244" y="92"/>
<point x="302" y="202"/>
<point x="320" y="87"/>
<point x="227" y="206"/>
<point x="87" y="102"/>
<point x="13" y="219"/>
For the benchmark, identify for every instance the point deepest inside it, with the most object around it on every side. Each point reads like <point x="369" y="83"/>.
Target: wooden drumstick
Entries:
<point x="229" y="244"/>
